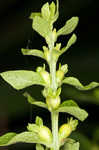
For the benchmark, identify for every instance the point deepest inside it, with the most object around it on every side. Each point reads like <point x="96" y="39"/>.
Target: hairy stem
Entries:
<point x="54" y="118"/>
<point x="53" y="75"/>
<point x="54" y="114"/>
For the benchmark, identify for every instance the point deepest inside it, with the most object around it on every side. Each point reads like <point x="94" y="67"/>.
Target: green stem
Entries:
<point x="54" y="114"/>
<point x="53" y="75"/>
<point x="54" y="118"/>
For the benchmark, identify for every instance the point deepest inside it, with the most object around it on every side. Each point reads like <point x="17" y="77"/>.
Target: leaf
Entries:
<point x="71" y="145"/>
<point x="21" y="79"/>
<point x="31" y="100"/>
<point x="69" y="103"/>
<point x="39" y="147"/>
<point x="71" y="41"/>
<point x="69" y="27"/>
<point x="45" y="11"/>
<point x="34" y="14"/>
<point x="24" y="137"/>
<point x="33" y="52"/>
<point x="76" y="83"/>
<point x="39" y="121"/>
<point x="6" y="138"/>
<point x="32" y="127"/>
<point x="57" y="12"/>
<point x="52" y="10"/>
<point x="41" y="26"/>
<point x="72" y="108"/>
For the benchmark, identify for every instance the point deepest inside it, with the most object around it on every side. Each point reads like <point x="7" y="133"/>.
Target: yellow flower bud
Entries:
<point x="64" y="131"/>
<point x="45" y="134"/>
<point x="61" y="72"/>
<point x="46" y="76"/>
<point x="59" y="76"/>
<point x="53" y="103"/>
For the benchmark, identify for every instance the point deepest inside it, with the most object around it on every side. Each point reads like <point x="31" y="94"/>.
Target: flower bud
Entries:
<point x="44" y="74"/>
<point x="64" y="68"/>
<point x="45" y="134"/>
<point x="66" y="129"/>
<point x="59" y="76"/>
<point x="61" y="72"/>
<point x="53" y="102"/>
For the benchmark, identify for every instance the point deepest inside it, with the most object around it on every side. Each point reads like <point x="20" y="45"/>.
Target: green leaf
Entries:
<point x="45" y="11"/>
<point x="24" y="137"/>
<point x="76" y="83"/>
<point x="31" y="100"/>
<point x="52" y="10"/>
<point x="21" y="79"/>
<point x="69" y="27"/>
<point x="69" y="103"/>
<point x="33" y="52"/>
<point x="39" y="121"/>
<point x="71" y="41"/>
<point x="41" y="26"/>
<point x="71" y="145"/>
<point x="39" y="147"/>
<point x="57" y="12"/>
<point x="6" y="138"/>
<point x="34" y="14"/>
<point x="32" y="127"/>
<point x="72" y="108"/>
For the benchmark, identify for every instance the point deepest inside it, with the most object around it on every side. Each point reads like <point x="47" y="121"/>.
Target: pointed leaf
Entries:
<point x="33" y="52"/>
<point x="72" y="108"/>
<point x="32" y="127"/>
<point x="34" y="14"/>
<point x="52" y="10"/>
<point x="31" y="100"/>
<point x="41" y="26"/>
<point x="71" y="41"/>
<point x="21" y="79"/>
<point x="71" y="145"/>
<point x="24" y="137"/>
<point x="69" y="26"/>
<point x="6" y="138"/>
<point x="57" y="12"/>
<point x="76" y="83"/>
<point x="39" y="121"/>
<point x="45" y="11"/>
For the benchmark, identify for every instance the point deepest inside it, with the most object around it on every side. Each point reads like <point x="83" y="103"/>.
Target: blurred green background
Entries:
<point x="83" y="60"/>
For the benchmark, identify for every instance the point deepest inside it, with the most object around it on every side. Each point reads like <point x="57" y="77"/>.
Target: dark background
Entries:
<point x="83" y="60"/>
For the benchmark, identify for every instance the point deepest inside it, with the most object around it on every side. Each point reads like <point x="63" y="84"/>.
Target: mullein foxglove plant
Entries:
<point x="57" y="137"/>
